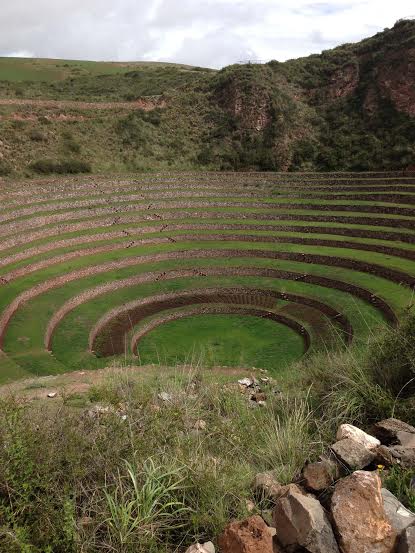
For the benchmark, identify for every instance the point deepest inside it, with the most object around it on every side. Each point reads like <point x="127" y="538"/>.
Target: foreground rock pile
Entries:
<point x="337" y="505"/>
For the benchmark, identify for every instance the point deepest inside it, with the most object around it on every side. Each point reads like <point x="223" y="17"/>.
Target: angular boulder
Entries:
<point x="319" y="476"/>
<point x="249" y="536"/>
<point x="266" y="486"/>
<point x="407" y="541"/>
<point x="398" y="515"/>
<point x="302" y="524"/>
<point x="353" y="454"/>
<point x="386" y="430"/>
<point x="405" y="455"/>
<point x="359" y="516"/>
<point x="350" y="431"/>
<point x="384" y="456"/>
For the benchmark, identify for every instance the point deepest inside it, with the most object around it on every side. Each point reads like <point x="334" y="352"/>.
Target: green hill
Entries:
<point x="350" y="108"/>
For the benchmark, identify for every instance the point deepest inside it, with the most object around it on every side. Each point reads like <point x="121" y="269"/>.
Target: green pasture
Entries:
<point x="50" y="70"/>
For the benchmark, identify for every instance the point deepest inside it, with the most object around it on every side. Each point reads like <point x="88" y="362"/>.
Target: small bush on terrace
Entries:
<point x="49" y="166"/>
<point x="37" y="136"/>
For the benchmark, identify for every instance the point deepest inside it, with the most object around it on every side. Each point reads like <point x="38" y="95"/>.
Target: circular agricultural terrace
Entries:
<point x="243" y="268"/>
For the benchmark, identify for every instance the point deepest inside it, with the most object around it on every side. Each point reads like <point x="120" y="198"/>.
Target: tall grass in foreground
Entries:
<point x="152" y="482"/>
<point x="147" y="476"/>
<point x="144" y="505"/>
<point x="368" y="382"/>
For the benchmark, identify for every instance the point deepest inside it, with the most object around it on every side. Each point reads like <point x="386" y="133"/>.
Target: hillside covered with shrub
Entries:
<point x="351" y="108"/>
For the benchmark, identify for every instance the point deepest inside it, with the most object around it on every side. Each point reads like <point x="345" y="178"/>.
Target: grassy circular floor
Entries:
<point x="225" y="340"/>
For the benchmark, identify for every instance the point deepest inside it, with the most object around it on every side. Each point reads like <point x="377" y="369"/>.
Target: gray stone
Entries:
<point x="353" y="454"/>
<point x="398" y="515"/>
<point x="246" y="382"/>
<point x="405" y="439"/>
<point x="407" y="541"/>
<point x="98" y="411"/>
<point x="200" y="425"/>
<point x="266" y="486"/>
<point x="386" y="430"/>
<point x="164" y="396"/>
<point x="302" y="523"/>
<point x="405" y="455"/>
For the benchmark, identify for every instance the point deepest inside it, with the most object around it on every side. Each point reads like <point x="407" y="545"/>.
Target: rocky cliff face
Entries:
<point x="267" y="114"/>
<point x="396" y="80"/>
<point x="349" y="108"/>
<point x="383" y="68"/>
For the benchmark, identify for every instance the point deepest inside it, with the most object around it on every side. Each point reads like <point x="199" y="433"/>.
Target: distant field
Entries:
<point x="49" y="70"/>
<point x="235" y="269"/>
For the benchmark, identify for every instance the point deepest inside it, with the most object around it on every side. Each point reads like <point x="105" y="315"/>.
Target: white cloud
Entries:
<point x="212" y="32"/>
<point x="19" y="54"/>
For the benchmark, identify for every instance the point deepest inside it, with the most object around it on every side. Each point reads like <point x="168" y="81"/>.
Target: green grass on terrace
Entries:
<point x="229" y="340"/>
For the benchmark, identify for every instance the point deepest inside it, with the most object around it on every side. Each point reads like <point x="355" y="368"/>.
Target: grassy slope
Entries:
<point x="51" y="70"/>
<point x="211" y="464"/>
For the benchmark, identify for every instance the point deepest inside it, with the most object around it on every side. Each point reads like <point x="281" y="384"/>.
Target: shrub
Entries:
<point x="37" y="136"/>
<point x="5" y="168"/>
<point x="18" y="124"/>
<point x="72" y="146"/>
<point x="366" y="382"/>
<point x="44" y="120"/>
<point x="130" y="129"/>
<point x="68" y="166"/>
<point x="392" y="359"/>
<point x="153" y="117"/>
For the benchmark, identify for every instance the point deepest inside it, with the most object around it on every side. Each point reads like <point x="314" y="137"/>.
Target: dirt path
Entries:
<point x="80" y="382"/>
<point x="146" y="104"/>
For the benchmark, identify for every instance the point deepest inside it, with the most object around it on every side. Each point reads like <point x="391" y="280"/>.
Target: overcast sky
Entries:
<point x="211" y="33"/>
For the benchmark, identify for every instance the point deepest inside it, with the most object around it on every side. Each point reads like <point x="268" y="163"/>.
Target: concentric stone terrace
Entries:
<point x="142" y="268"/>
